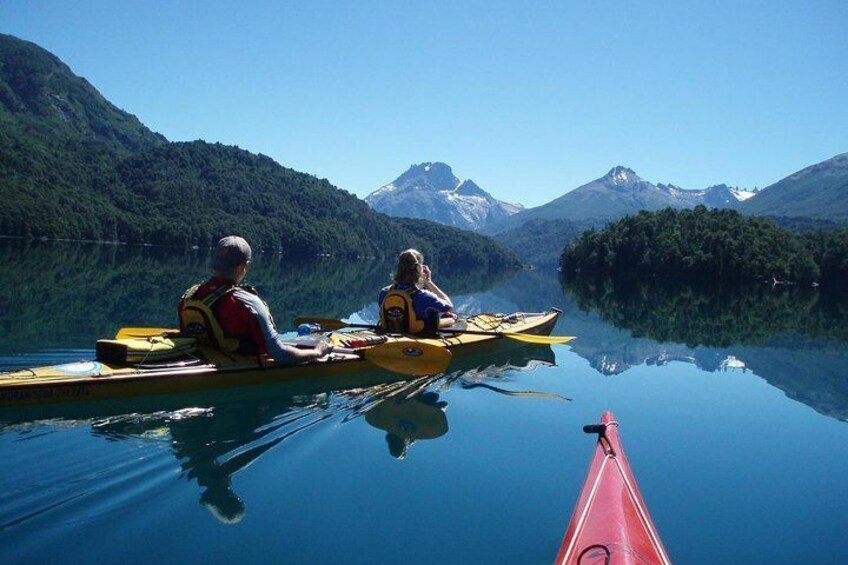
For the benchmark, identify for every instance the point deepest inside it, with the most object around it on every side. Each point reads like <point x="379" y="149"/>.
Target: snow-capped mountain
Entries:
<point x="718" y="196"/>
<point x="618" y="193"/>
<point x="431" y="191"/>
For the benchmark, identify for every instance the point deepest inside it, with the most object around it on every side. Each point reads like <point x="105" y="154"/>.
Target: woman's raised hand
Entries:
<point x="426" y="275"/>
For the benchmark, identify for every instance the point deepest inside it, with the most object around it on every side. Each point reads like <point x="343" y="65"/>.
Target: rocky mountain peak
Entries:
<point x="429" y="176"/>
<point x="622" y="175"/>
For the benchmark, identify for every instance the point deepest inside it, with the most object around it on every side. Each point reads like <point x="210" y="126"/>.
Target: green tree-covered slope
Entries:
<point x="74" y="166"/>
<point x="707" y="245"/>
<point x="44" y="100"/>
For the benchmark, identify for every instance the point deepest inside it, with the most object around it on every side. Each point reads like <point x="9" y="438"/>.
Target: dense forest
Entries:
<point x="73" y="166"/>
<point x="704" y="245"/>
<point x="191" y="194"/>
<point x="540" y="242"/>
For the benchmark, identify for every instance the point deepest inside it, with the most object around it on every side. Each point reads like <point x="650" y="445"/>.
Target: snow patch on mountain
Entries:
<point x="742" y="195"/>
<point x="619" y="175"/>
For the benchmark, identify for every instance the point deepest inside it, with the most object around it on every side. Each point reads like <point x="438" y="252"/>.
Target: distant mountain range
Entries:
<point x="618" y="193"/>
<point x="814" y="196"/>
<point x="74" y="166"/>
<point x="432" y="192"/>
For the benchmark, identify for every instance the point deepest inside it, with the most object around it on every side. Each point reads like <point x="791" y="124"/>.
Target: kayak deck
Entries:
<point x="610" y="523"/>
<point x="210" y="369"/>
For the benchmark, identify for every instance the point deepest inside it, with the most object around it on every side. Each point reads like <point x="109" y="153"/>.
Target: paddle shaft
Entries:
<point x="333" y="324"/>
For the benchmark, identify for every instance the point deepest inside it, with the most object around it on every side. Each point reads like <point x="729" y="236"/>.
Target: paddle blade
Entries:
<point x="134" y="333"/>
<point x="325" y="323"/>
<point x="539" y="339"/>
<point x="410" y="357"/>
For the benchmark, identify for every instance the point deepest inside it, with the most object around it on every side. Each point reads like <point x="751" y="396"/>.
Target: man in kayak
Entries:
<point x="230" y="316"/>
<point x="414" y="304"/>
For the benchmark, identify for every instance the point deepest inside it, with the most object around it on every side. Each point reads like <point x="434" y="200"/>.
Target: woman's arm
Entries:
<point x="427" y="280"/>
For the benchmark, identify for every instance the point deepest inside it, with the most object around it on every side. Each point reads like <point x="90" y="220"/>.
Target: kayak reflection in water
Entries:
<point x="413" y="304"/>
<point x="215" y="442"/>
<point x="230" y="316"/>
<point x="215" y="434"/>
<point x="406" y="420"/>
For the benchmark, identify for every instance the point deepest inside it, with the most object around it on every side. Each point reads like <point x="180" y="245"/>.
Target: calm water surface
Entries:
<point x="733" y="411"/>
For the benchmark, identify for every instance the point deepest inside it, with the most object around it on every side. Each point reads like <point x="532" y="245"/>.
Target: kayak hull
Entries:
<point x="93" y="380"/>
<point x="611" y="523"/>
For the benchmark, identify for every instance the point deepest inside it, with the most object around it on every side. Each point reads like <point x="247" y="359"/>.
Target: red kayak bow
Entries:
<point x="610" y="524"/>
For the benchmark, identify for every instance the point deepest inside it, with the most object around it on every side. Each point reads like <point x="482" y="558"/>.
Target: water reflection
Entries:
<point x="407" y="420"/>
<point x="214" y="443"/>
<point x="713" y="316"/>
<point x="216" y="434"/>
<point x="794" y="338"/>
<point x="67" y="295"/>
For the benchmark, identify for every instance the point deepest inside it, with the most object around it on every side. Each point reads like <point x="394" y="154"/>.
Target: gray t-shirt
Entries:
<point x="273" y="343"/>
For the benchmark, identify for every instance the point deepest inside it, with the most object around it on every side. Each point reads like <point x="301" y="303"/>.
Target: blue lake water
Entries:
<point x="738" y="440"/>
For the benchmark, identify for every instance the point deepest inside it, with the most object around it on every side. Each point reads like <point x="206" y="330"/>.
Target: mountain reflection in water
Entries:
<point x="216" y="434"/>
<point x="388" y="469"/>
<point x="794" y="338"/>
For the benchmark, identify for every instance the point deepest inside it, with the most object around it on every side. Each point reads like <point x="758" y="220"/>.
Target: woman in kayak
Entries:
<point x="414" y="304"/>
<point x="230" y="316"/>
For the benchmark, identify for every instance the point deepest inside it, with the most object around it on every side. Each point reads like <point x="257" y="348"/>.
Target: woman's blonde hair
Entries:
<point x="410" y="267"/>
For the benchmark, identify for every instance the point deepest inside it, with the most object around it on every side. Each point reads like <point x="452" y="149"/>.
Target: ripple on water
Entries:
<point x="97" y="477"/>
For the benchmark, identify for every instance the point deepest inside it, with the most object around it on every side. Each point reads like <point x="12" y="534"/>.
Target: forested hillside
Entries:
<point x="73" y="166"/>
<point x="42" y="102"/>
<point x="708" y="245"/>
<point x="59" y="142"/>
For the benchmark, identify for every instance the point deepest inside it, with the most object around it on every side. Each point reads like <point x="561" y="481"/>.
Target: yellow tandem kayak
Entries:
<point x="210" y="369"/>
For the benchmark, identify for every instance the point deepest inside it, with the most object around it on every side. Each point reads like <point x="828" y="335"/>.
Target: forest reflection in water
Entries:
<point x="67" y="295"/>
<point x="795" y="338"/>
<point x="713" y="316"/>
<point x="63" y="296"/>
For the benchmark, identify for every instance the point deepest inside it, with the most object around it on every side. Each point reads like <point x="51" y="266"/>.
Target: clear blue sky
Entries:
<point x="529" y="102"/>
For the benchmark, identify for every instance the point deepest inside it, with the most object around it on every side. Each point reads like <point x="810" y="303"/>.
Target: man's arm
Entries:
<point x="282" y="353"/>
